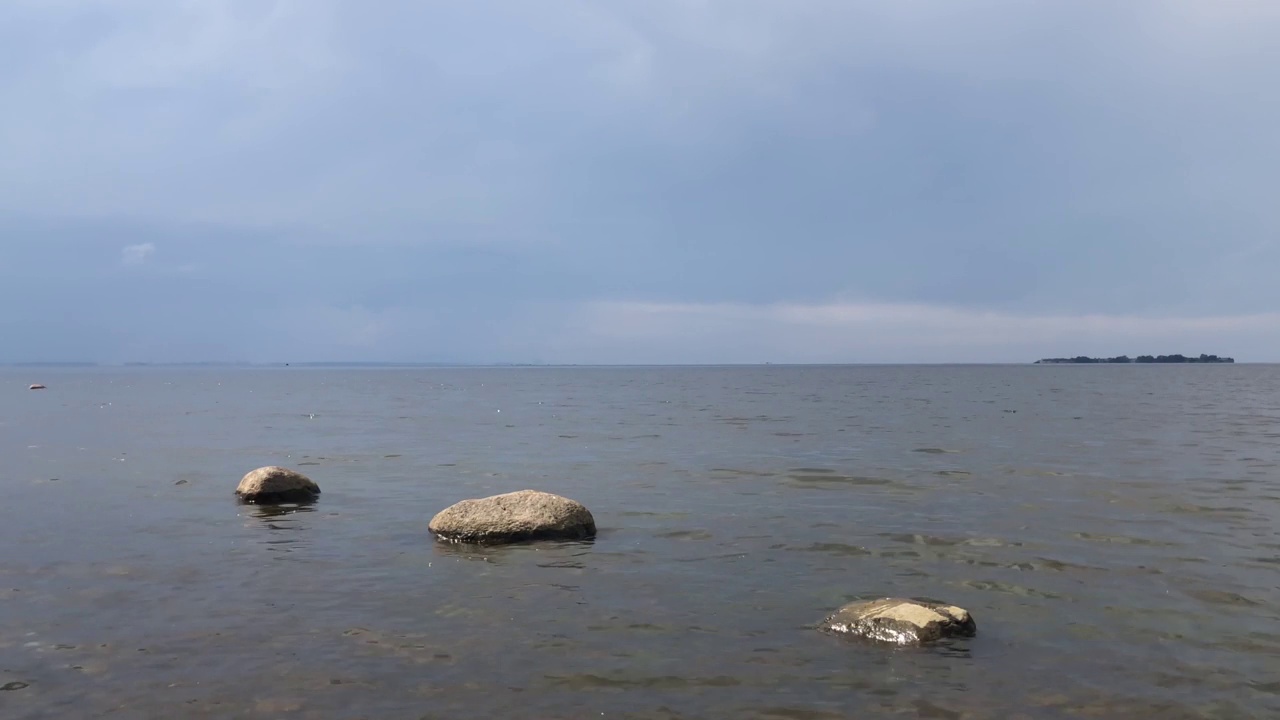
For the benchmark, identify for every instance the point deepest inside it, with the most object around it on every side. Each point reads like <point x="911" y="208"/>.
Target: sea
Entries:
<point x="1114" y="530"/>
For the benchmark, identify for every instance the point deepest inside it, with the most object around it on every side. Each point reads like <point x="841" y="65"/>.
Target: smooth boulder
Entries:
<point x="514" y="517"/>
<point x="901" y="621"/>
<point x="276" y="485"/>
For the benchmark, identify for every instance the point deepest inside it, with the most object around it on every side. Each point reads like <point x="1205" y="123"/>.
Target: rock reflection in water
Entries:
<point x="287" y="524"/>
<point x="561" y="553"/>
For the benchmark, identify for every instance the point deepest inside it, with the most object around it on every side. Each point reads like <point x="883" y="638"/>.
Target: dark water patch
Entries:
<point x="1192" y="509"/>
<point x="898" y="553"/>
<point x="705" y="558"/>
<point x="1221" y="597"/>
<point x="936" y="451"/>
<point x="685" y="535"/>
<point x="639" y="628"/>
<point x="569" y="564"/>
<point x="929" y="709"/>
<point x="592" y="681"/>
<point x="1008" y="589"/>
<point x="838" y="549"/>
<point x="931" y="540"/>
<point x="1063" y="566"/>
<point x="733" y="472"/>
<point x="1122" y="540"/>
<point x="791" y="713"/>
<point x="992" y="564"/>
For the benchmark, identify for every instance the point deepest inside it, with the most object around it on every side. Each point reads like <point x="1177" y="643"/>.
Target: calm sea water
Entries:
<point x="1114" y="530"/>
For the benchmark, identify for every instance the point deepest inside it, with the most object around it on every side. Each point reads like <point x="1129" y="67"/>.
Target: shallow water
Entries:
<point x="1114" y="530"/>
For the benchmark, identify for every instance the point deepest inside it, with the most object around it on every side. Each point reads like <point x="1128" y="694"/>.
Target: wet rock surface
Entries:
<point x="275" y="484"/>
<point x="901" y="621"/>
<point x="514" y="517"/>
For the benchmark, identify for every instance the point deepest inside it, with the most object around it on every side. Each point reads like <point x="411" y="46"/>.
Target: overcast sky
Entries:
<point x="638" y="180"/>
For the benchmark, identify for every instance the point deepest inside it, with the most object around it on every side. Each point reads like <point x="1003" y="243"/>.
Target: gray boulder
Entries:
<point x="276" y="485"/>
<point x="514" y="517"/>
<point x="900" y="621"/>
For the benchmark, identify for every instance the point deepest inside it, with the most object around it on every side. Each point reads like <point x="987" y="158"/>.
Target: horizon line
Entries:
<point x="477" y="364"/>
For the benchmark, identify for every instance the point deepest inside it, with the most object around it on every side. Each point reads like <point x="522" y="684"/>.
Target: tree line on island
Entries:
<point x="1122" y="359"/>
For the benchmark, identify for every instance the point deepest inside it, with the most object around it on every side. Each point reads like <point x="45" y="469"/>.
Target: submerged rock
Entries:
<point x="901" y="621"/>
<point x="514" y="517"/>
<point x="275" y="485"/>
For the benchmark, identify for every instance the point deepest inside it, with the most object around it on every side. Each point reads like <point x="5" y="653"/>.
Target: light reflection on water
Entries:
<point x="1114" y="531"/>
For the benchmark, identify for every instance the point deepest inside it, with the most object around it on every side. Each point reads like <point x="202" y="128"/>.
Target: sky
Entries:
<point x="638" y="181"/>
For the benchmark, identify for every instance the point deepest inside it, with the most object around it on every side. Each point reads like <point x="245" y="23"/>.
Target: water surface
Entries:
<point x="1114" y="530"/>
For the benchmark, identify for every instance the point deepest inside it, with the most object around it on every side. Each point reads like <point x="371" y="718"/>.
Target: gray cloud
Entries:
<point x="420" y="175"/>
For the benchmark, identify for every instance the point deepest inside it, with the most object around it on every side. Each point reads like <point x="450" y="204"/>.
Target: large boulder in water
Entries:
<point x="514" y="517"/>
<point x="276" y="485"/>
<point x="905" y="622"/>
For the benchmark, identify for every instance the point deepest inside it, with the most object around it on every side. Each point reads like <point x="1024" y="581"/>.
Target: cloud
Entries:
<point x="611" y="332"/>
<point x="407" y="165"/>
<point x="137" y="254"/>
<point x="429" y="122"/>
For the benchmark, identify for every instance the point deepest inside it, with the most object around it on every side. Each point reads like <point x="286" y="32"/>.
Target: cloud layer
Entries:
<point x="410" y="180"/>
<point x="887" y="333"/>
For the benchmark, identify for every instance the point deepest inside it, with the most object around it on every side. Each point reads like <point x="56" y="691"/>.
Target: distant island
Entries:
<point x="1122" y="359"/>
